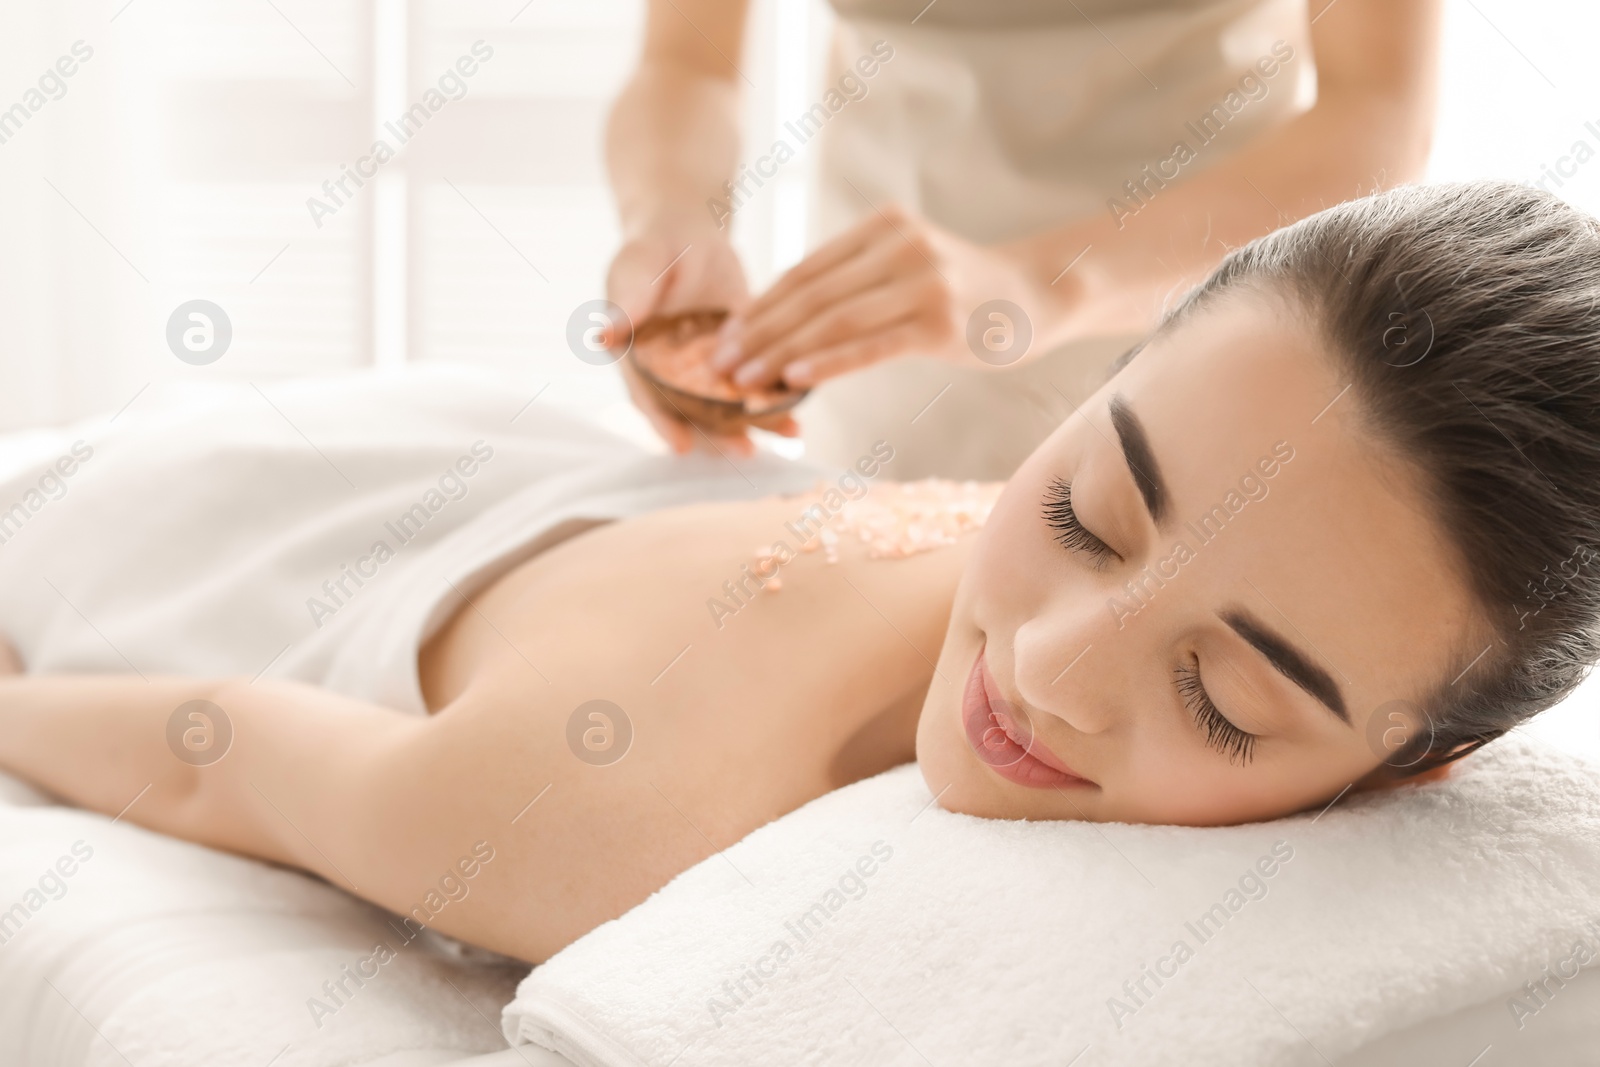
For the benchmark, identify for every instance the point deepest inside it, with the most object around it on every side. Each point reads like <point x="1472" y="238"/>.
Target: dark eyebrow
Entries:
<point x="1140" y="460"/>
<point x="1288" y="660"/>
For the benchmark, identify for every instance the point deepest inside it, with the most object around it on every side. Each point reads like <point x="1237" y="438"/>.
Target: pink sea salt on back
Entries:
<point x="897" y="519"/>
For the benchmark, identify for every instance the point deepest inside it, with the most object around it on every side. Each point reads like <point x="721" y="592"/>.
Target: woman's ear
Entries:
<point x="1384" y="776"/>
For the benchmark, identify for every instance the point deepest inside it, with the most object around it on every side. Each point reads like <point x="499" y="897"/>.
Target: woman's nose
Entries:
<point x="1069" y="668"/>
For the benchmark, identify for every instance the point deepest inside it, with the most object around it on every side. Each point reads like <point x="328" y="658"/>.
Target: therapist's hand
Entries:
<point x="894" y="284"/>
<point x="10" y="660"/>
<point x="666" y="270"/>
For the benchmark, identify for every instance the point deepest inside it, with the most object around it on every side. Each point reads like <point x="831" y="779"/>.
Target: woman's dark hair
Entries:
<point x="1467" y="318"/>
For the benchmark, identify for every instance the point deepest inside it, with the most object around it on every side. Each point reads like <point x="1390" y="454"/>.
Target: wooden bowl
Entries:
<point x="704" y="398"/>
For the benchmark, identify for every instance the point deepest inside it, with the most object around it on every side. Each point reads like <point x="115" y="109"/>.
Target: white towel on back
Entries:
<point x="874" y="927"/>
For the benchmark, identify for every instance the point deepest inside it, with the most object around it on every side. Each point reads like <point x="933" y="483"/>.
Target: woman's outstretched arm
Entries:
<point x="227" y="763"/>
<point x="442" y="819"/>
<point x="399" y="810"/>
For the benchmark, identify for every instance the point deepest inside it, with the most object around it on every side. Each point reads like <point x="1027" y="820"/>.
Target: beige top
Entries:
<point x="999" y="118"/>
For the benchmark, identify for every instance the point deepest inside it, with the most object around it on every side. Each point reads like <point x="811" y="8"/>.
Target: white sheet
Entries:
<point x="158" y="952"/>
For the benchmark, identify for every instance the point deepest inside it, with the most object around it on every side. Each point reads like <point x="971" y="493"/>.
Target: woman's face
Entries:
<point x="1208" y="598"/>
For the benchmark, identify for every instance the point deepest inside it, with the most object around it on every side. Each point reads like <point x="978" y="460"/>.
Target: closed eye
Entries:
<point x="1060" y="516"/>
<point x="1221" y="734"/>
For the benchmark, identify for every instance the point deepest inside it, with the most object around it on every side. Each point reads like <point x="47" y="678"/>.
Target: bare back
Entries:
<point x="737" y="714"/>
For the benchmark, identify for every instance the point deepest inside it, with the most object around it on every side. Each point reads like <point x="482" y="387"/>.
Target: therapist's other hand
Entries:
<point x="894" y="284"/>
<point x="666" y="270"/>
<point x="10" y="660"/>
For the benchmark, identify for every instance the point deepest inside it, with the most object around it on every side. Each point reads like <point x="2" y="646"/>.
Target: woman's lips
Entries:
<point x="1003" y="739"/>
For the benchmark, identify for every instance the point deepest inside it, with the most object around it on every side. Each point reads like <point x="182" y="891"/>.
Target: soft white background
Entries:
<point x="178" y="163"/>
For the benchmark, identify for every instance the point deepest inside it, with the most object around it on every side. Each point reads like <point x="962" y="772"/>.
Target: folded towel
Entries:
<point x="872" y="926"/>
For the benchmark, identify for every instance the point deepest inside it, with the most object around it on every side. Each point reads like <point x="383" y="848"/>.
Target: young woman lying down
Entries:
<point x="1329" y="527"/>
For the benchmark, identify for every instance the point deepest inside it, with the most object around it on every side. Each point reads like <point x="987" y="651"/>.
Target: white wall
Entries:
<point x="1519" y="83"/>
<point x="179" y="161"/>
